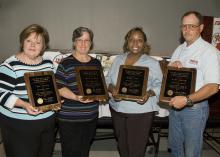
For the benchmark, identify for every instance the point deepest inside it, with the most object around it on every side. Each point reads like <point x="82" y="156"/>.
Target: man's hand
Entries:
<point x="176" y="64"/>
<point x="178" y="102"/>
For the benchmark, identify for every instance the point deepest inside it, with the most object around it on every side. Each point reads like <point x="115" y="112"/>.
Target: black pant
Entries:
<point x="132" y="132"/>
<point x="28" y="138"/>
<point x="76" y="137"/>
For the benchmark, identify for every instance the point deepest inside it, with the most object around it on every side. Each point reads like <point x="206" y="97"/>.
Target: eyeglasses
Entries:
<point x="86" y="41"/>
<point x="189" y="26"/>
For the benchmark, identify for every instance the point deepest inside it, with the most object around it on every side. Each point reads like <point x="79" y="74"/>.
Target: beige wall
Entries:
<point x="109" y="19"/>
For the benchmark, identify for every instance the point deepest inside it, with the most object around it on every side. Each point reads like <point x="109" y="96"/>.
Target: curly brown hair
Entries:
<point x="146" y="48"/>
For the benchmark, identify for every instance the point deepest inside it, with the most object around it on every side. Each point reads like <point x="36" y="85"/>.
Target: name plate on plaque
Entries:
<point x="132" y="82"/>
<point x="177" y="82"/>
<point x="42" y="90"/>
<point x="91" y="83"/>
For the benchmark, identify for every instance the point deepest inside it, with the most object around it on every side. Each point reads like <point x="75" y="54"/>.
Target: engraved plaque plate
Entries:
<point x="177" y="82"/>
<point x="91" y="83"/>
<point x="42" y="90"/>
<point x="132" y="82"/>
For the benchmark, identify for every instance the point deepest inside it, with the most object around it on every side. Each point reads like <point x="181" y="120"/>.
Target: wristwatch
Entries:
<point x="189" y="102"/>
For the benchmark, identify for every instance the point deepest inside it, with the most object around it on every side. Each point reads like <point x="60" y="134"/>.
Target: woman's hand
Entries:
<point x="68" y="94"/>
<point x="83" y="100"/>
<point x="112" y="90"/>
<point x="144" y="99"/>
<point x="31" y="110"/>
<point x="28" y="107"/>
<point x="147" y="95"/>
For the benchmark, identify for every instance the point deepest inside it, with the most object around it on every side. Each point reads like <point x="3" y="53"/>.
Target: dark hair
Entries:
<point x="39" y="30"/>
<point x="78" y="32"/>
<point x="147" y="47"/>
<point x="197" y="14"/>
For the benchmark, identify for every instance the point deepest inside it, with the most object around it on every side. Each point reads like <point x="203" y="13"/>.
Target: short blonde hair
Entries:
<point x="39" y="30"/>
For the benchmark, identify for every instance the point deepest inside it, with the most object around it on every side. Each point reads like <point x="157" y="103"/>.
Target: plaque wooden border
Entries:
<point x="100" y="97"/>
<point x="55" y="106"/>
<point x="120" y="79"/>
<point x="166" y="99"/>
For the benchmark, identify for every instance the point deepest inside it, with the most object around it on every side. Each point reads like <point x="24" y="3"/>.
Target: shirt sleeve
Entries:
<point x="7" y="86"/>
<point x="112" y="75"/>
<point x="211" y="68"/>
<point x="176" y="54"/>
<point x="60" y="76"/>
<point x="155" y="83"/>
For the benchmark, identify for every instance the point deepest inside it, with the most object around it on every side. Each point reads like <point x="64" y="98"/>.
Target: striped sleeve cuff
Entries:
<point x="10" y="103"/>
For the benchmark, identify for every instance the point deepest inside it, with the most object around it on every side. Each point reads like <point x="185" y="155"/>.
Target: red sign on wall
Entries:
<point x="211" y="32"/>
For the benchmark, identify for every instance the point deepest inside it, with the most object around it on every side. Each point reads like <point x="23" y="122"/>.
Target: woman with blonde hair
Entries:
<point x="26" y="131"/>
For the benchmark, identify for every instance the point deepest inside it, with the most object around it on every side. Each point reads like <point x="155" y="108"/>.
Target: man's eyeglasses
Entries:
<point x="189" y="26"/>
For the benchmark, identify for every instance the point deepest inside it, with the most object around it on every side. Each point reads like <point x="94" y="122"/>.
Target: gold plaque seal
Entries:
<point x="88" y="91"/>
<point x="124" y="90"/>
<point x="170" y="92"/>
<point x="40" y="101"/>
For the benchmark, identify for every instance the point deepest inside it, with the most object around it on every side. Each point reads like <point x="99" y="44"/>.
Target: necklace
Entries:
<point x="27" y="60"/>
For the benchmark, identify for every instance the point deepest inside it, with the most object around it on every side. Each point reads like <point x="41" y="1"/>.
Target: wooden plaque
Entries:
<point x="42" y="90"/>
<point x="91" y="83"/>
<point x="132" y="82"/>
<point x="177" y="82"/>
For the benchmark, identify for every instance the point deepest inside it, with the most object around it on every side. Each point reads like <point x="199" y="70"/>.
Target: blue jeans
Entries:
<point x="186" y="129"/>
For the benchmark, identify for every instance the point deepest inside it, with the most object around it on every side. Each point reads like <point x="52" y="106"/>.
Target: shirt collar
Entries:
<point x="195" y="44"/>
